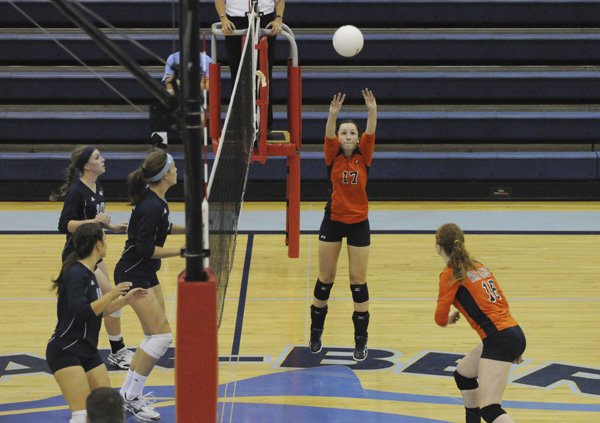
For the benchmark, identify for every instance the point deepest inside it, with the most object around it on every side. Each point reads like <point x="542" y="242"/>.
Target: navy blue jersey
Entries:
<point x="81" y="203"/>
<point x="148" y="228"/>
<point x="78" y="326"/>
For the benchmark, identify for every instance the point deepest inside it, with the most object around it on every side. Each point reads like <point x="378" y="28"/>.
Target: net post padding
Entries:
<point x="293" y="175"/>
<point x="196" y="353"/>
<point x="293" y="206"/>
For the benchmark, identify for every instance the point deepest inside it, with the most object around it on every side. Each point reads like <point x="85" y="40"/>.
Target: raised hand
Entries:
<point x="336" y="103"/>
<point x="370" y="101"/>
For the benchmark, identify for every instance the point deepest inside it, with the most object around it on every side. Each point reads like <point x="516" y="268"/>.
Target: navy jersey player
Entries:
<point x="84" y="203"/>
<point x="149" y="226"/>
<point x="72" y="351"/>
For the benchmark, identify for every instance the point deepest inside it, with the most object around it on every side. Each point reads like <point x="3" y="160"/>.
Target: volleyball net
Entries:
<point x="229" y="173"/>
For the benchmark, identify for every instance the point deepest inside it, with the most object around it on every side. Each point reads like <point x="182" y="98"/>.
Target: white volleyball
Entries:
<point x="348" y="41"/>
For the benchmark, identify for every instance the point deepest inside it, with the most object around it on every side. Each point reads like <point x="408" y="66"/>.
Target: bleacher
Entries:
<point x="476" y="98"/>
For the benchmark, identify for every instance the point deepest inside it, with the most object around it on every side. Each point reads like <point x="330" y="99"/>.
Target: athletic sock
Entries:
<point x="361" y="323"/>
<point x="317" y="317"/>
<point x="136" y="386"/>
<point x="116" y="343"/>
<point x="127" y="383"/>
<point x="472" y="415"/>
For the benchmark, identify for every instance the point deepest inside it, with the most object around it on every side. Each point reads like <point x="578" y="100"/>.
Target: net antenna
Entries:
<point x="196" y="387"/>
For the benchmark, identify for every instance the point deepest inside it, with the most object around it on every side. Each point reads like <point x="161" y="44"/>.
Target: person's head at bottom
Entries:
<point x="105" y="405"/>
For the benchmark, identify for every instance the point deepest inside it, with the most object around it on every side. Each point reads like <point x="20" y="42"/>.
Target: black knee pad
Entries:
<point x="360" y="293"/>
<point x="491" y="412"/>
<point x="322" y="290"/>
<point x="465" y="383"/>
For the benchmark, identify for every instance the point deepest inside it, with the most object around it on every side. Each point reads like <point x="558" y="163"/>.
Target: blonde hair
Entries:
<point x="451" y="239"/>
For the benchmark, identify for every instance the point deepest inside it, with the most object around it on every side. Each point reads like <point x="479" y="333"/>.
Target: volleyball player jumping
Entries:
<point x="348" y="159"/>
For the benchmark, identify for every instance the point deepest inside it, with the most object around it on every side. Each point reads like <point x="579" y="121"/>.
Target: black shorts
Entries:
<point x="356" y="234"/>
<point x="505" y="345"/>
<point x="139" y="280"/>
<point x="58" y="359"/>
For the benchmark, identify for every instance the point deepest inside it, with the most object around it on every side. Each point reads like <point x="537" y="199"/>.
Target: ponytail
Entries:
<point x="460" y="260"/>
<point x="149" y="173"/>
<point x="137" y="186"/>
<point x="451" y="239"/>
<point x="72" y="171"/>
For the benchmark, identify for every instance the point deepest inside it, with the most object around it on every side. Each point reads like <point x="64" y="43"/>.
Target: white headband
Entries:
<point x="164" y="170"/>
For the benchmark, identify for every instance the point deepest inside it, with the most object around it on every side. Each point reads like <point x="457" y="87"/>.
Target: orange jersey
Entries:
<point x="478" y="297"/>
<point x="348" y="202"/>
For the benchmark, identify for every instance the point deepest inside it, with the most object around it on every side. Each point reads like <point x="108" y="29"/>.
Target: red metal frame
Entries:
<point x="263" y="150"/>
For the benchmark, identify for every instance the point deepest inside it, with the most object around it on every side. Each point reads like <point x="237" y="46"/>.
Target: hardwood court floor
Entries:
<point x="267" y="374"/>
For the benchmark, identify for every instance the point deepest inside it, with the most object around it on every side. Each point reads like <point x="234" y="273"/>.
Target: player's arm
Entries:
<point x="149" y="219"/>
<point x="446" y="294"/>
<point x="371" y="104"/>
<point x="334" y="109"/>
<point x="177" y="229"/>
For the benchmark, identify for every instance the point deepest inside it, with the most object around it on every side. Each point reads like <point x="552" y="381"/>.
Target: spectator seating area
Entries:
<point x="502" y="92"/>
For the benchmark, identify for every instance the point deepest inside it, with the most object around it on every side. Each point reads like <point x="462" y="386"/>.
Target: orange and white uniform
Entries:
<point x="478" y="297"/>
<point x="348" y="202"/>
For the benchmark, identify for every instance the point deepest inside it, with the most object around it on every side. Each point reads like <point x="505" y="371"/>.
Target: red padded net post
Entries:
<point x="196" y="353"/>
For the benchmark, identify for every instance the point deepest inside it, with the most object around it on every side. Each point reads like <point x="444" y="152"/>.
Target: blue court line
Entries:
<point x="528" y="405"/>
<point x="237" y="335"/>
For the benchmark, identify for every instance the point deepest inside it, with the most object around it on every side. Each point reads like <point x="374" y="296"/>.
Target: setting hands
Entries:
<point x="336" y="103"/>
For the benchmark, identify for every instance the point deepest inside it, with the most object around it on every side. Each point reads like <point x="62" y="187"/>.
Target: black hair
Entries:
<point x="85" y="238"/>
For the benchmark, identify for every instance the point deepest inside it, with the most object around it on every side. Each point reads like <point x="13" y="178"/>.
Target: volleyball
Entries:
<point x="348" y="41"/>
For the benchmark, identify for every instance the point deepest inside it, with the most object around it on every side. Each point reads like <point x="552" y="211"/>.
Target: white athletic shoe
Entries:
<point x="141" y="407"/>
<point x="121" y="359"/>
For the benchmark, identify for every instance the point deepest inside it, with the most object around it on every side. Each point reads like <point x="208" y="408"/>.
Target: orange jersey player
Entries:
<point x="348" y="159"/>
<point x="348" y="202"/>
<point x="478" y="297"/>
<point x="469" y="285"/>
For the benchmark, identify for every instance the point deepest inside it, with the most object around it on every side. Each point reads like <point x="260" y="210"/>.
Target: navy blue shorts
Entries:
<point x="505" y="345"/>
<point x="139" y="280"/>
<point x="58" y="359"/>
<point x="356" y="234"/>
